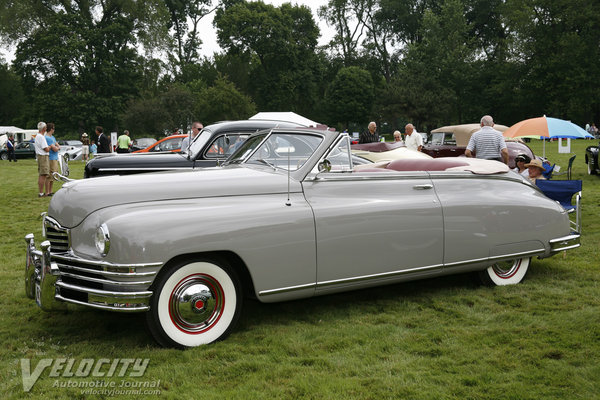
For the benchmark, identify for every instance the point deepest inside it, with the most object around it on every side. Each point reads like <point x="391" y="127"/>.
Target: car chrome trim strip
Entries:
<point x="104" y="293"/>
<point x="144" y="169"/>
<point x="103" y="264"/>
<point x="286" y="289"/>
<point x="398" y="273"/>
<point x="505" y="256"/>
<point x="108" y="273"/>
<point x="104" y="281"/>
<point x="105" y="306"/>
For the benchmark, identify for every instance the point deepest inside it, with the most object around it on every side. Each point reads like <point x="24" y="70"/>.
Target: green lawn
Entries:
<point x="445" y="338"/>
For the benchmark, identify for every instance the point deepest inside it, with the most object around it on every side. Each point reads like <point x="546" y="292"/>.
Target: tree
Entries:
<point x="78" y="60"/>
<point x="350" y="96"/>
<point x="223" y="101"/>
<point x="279" y="44"/>
<point x="12" y="98"/>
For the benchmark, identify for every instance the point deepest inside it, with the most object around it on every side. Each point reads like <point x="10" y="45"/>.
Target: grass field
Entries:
<point x="445" y="338"/>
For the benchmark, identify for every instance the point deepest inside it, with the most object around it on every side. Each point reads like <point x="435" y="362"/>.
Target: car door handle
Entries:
<point x="423" y="187"/>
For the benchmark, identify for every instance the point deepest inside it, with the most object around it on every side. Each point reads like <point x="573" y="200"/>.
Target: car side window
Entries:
<point x="340" y="156"/>
<point x="224" y="145"/>
<point x="172" y="144"/>
<point x="450" y="139"/>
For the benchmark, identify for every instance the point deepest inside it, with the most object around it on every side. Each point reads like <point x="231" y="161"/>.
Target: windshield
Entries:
<point x="198" y="142"/>
<point x="277" y="150"/>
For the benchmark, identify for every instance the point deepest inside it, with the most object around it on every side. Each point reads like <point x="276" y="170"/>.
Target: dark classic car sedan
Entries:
<point x="213" y="145"/>
<point x="452" y="141"/>
<point x="280" y="221"/>
<point x="591" y="160"/>
<point x="22" y="150"/>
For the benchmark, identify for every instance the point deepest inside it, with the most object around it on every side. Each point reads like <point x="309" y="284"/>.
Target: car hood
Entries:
<point x="115" y="160"/>
<point x="77" y="199"/>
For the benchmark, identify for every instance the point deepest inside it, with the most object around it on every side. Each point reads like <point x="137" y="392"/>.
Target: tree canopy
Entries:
<point x="134" y="65"/>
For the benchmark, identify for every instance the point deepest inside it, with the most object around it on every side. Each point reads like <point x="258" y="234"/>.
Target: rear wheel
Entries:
<point x="503" y="273"/>
<point x="194" y="303"/>
<point x="4" y="156"/>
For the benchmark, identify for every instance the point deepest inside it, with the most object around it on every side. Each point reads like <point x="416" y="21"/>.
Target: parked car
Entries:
<point x="591" y="159"/>
<point x="142" y="143"/>
<point x="170" y="143"/>
<point x="212" y="146"/>
<point x="452" y="141"/>
<point x="70" y="143"/>
<point x="22" y="150"/>
<point x="274" y="223"/>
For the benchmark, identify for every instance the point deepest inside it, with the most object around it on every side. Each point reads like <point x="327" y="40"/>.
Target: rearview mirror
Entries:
<point x="325" y="166"/>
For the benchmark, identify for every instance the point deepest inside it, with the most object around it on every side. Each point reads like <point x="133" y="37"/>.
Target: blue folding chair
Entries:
<point x="563" y="192"/>
<point x="548" y="170"/>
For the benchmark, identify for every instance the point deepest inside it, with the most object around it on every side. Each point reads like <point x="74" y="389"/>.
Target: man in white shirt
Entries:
<point x="413" y="141"/>
<point x="185" y="143"/>
<point x="42" y="151"/>
<point x="488" y="143"/>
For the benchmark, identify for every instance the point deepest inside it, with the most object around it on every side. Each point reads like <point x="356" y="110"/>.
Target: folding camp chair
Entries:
<point x="548" y="170"/>
<point x="562" y="192"/>
<point x="568" y="171"/>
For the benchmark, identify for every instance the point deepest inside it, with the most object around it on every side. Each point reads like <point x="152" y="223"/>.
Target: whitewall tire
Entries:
<point x="508" y="272"/>
<point x="194" y="303"/>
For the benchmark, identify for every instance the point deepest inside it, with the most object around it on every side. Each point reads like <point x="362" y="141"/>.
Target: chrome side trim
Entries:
<point x="318" y="285"/>
<point x="530" y="253"/>
<point x="377" y="276"/>
<point x="143" y="169"/>
<point x="108" y="273"/>
<point x="286" y="289"/>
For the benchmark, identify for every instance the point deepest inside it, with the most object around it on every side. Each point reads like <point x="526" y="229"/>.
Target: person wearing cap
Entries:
<point x="488" y="143"/>
<point x="536" y="169"/>
<point x="85" y="149"/>
<point x="520" y="161"/>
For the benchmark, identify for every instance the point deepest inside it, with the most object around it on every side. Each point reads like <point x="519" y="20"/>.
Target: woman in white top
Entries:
<point x="520" y="161"/>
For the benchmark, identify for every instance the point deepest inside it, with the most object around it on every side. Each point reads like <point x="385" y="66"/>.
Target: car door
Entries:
<point x="371" y="227"/>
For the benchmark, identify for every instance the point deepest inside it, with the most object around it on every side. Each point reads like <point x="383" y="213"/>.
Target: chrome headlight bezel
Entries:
<point x="102" y="240"/>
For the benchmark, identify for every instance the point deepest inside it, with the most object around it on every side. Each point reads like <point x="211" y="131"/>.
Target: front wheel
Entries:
<point x="4" y="156"/>
<point x="508" y="272"/>
<point x="194" y="303"/>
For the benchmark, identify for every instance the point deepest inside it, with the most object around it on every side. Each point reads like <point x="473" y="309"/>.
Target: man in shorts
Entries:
<point x="54" y="147"/>
<point x="42" y="152"/>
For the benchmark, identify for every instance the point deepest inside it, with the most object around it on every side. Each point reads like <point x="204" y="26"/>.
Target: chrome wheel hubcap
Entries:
<point x="196" y="303"/>
<point x="506" y="269"/>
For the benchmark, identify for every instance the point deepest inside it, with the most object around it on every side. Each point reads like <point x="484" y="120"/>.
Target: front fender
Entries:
<point x="276" y="241"/>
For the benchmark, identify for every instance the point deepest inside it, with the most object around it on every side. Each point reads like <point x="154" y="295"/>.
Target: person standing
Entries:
<point x="10" y="147"/>
<point x="103" y="141"/>
<point x="54" y="147"/>
<point x="370" y="136"/>
<point x="185" y="143"/>
<point x="93" y="148"/>
<point x="42" y="152"/>
<point x="488" y="143"/>
<point x="413" y="140"/>
<point x="85" y="148"/>
<point x="124" y="142"/>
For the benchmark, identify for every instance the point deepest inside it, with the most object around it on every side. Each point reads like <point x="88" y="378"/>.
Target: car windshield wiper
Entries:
<point x="265" y="162"/>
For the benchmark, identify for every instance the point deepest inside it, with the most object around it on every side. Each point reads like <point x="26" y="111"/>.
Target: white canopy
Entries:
<point x="288" y="116"/>
<point x="10" y="129"/>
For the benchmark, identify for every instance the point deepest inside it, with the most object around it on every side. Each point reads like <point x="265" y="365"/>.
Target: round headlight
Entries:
<point x="102" y="240"/>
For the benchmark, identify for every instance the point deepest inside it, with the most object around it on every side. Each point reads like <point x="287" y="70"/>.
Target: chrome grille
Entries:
<point x="57" y="235"/>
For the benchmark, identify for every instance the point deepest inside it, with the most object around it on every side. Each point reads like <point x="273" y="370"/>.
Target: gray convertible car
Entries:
<point x="281" y="221"/>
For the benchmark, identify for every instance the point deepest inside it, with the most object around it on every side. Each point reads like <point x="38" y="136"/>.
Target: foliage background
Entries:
<point x="136" y="65"/>
<point x="445" y="338"/>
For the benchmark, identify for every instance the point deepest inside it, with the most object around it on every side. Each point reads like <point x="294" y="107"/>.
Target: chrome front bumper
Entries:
<point x="56" y="279"/>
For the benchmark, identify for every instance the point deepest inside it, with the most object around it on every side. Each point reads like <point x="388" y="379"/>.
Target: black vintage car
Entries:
<point x="591" y="160"/>
<point x="214" y="144"/>
<point x="22" y="150"/>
